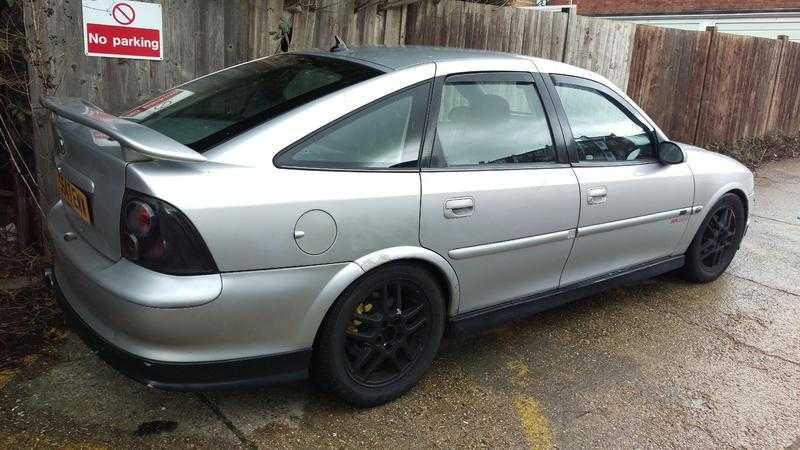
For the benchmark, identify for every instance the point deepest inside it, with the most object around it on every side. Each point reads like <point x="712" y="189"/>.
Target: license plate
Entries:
<point x="75" y="198"/>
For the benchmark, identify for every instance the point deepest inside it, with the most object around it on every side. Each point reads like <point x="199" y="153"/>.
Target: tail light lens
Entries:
<point x="156" y="235"/>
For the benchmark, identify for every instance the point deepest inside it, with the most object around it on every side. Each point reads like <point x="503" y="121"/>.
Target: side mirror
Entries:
<point x="670" y="153"/>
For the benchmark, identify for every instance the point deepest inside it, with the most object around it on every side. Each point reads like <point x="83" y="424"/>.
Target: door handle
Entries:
<point x="459" y="207"/>
<point x="597" y="195"/>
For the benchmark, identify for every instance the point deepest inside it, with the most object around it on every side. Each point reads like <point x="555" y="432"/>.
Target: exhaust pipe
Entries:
<point x="47" y="276"/>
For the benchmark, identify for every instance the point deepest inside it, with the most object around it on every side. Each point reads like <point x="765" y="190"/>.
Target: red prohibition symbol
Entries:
<point x="123" y="13"/>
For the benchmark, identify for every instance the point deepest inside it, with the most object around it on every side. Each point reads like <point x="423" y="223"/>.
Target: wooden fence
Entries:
<point x="707" y="87"/>
<point x="200" y="36"/>
<point x="701" y="87"/>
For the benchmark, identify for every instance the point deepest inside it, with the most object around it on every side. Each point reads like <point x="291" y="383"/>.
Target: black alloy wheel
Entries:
<point x="387" y="333"/>
<point x="381" y="335"/>
<point x="717" y="240"/>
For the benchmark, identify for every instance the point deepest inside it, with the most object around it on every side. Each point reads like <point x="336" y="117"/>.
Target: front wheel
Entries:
<point x="380" y="336"/>
<point x="717" y="240"/>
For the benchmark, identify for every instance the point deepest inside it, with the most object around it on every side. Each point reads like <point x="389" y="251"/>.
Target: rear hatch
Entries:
<point x="93" y="150"/>
<point x="179" y="125"/>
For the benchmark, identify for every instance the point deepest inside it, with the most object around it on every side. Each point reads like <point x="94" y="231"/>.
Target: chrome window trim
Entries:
<point x="486" y="167"/>
<point x="638" y="162"/>
<point x="507" y="246"/>
<point x="632" y="222"/>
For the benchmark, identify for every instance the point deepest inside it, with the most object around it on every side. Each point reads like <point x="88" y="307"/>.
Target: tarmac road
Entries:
<point x="660" y="364"/>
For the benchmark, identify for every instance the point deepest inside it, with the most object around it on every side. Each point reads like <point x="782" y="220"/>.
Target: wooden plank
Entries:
<point x="516" y="30"/>
<point x="785" y="106"/>
<point x="40" y="67"/>
<point x="23" y="219"/>
<point x="264" y="17"/>
<point x="602" y="46"/>
<point x="736" y="98"/>
<point x="403" y="23"/>
<point x="210" y="50"/>
<point x="392" y="22"/>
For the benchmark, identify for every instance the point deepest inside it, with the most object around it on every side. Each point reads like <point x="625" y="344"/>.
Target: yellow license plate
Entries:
<point x="75" y="198"/>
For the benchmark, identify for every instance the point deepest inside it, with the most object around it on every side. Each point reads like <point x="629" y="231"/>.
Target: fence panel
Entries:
<point x="737" y="93"/>
<point x="603" y="46"/>
<point x="785" y="108"/>
<point x="472" y="25"/>
<point x="700" y="87"/>
<point x="668" y="67"/>
<point x="200" y="36"/>
<point x="357" y="22"/>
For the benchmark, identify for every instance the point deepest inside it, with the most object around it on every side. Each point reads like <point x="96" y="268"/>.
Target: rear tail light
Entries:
<point x="156" y="235"/>
<point x="140" y="219"/>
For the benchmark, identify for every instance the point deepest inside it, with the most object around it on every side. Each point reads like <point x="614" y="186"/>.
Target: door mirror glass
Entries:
<point x="670" y="153"/>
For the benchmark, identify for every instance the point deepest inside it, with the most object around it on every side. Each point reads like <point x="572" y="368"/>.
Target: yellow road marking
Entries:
<point x="5" y="377"/>
<point x="518" y="371"/>
<point x="534" y="423"/>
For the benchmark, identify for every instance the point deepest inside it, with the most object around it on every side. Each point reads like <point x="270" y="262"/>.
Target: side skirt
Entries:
<point x="523" y="307"/>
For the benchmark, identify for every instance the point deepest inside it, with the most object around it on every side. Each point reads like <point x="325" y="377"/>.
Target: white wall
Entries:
<point x="768" y="25"/>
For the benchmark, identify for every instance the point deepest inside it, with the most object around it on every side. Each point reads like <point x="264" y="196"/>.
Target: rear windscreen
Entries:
<point x="212" y="109"/>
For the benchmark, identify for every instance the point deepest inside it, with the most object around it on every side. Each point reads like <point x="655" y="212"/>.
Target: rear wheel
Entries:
<point x="380" y="336"/>
<point x="717" y="240"/>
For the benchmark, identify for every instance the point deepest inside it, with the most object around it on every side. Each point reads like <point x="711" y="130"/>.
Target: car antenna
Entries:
<point x="339" y="45"/>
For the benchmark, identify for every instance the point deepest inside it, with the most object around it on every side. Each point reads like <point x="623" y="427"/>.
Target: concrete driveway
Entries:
<point x="661" y="363"/>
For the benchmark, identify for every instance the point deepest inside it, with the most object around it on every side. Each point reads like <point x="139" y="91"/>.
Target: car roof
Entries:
<point x="397" y="58"/>
<point x="389" y="59"/>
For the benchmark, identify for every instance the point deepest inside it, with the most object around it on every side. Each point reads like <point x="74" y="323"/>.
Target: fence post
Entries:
<point x="571" y="13"/>
<point x="769" y="123"/>
<point x="712" y="38"/>
<point x="23" y="223"/>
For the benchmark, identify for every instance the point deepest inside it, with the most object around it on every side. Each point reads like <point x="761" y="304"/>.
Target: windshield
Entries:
<point x="212" y="109"/>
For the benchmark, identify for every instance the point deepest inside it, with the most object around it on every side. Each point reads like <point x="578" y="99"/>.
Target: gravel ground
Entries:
<point x="658" y="364"/>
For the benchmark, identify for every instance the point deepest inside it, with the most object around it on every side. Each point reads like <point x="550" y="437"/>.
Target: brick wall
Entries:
<point x="633" y="7"/>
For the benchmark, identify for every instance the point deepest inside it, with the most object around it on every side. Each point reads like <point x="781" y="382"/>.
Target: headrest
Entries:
<point x="459" y="114"/>
<point x="494" y="105"/>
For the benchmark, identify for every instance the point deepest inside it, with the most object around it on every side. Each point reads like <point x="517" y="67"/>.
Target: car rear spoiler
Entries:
<point x="129" y="134"/>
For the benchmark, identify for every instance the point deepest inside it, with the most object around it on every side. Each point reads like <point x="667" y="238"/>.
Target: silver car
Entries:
<point x="332" y="214"/>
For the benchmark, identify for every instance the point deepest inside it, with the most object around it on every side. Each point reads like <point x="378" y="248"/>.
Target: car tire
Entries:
<point x="371" y="349"/>
<point x="717" y="240"/>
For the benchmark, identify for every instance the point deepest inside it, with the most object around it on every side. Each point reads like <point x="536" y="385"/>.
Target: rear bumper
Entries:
<point x="190" y="332"/>
<point x="231" y="374"/>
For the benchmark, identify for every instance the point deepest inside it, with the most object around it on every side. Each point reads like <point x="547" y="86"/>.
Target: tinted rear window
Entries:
<point x="205" y="112"/>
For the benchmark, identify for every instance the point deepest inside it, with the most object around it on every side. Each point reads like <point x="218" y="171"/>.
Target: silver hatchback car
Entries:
<point x="333" y="214"/>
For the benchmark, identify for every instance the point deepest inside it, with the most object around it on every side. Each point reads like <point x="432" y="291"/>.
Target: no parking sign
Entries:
<point x="122" y="29"/>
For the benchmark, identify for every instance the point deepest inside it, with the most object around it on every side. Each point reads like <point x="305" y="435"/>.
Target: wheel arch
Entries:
<point x="697" y="219"/>
<point x="743" y="197"/>
<point x="432" y="261"/>
<point x="438" y="266"/>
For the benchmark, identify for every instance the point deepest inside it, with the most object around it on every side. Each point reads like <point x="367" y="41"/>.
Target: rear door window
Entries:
<point x="212" y="109"/>
<point x="493" y="123"/>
